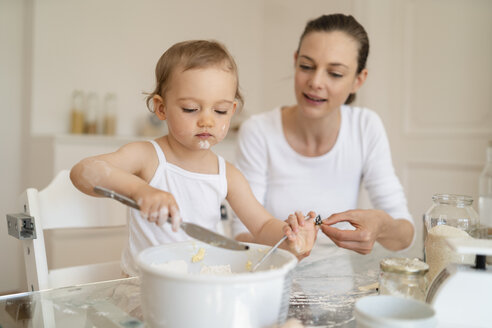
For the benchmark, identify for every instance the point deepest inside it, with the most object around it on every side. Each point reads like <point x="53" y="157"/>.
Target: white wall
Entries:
<point x="12" y="114"/>
<point x="284" y="23"/>
<point x="114" y="45"/>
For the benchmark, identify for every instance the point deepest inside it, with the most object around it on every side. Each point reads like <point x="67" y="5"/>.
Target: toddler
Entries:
<point x="178" y="175"/>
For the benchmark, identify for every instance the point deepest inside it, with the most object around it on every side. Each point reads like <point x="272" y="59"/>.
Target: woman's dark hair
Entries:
<point x="343" y="23"/>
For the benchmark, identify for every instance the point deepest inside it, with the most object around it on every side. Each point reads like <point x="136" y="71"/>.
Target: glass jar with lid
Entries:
<point x="452" y="210"/>
<point x="449" y="216"/>
<point x="403" y="277"/>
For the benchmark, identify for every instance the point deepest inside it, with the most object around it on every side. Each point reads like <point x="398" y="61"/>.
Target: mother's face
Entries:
<point x="326" y="72"/>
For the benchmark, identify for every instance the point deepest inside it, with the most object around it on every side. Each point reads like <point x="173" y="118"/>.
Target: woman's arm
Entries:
<point x="378" y="174"/>
<point x="390" y="223"/>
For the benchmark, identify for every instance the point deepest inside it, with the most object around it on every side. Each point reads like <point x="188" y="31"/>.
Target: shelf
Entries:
<point x="49" y="154"/>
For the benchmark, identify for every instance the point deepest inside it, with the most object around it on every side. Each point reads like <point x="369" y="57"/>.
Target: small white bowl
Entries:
<point x="386" y="311"/>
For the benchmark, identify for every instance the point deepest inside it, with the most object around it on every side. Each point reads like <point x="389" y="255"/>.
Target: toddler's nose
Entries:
<point x="206" y="120"/>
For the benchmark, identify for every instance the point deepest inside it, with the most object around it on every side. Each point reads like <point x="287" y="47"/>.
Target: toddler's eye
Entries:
<point x="189" y="110"/>
<point x="221" y="112"/>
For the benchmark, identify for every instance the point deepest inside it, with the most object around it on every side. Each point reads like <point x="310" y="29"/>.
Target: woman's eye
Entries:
<point x="189" y="110"/>
<point x="336" y="75"/>
<point x="305" y="67"/>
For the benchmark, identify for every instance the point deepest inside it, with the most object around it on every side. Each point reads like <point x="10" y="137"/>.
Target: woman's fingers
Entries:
<point x="351" y="216"/>
<point x="368" y="226"/>
<point x="344" y="235"/>
<point x="356" y="240"/>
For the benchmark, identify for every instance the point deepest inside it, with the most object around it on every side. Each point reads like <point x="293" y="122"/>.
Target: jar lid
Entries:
<point x="452" y="199"/>
<point x="404" y="265"/>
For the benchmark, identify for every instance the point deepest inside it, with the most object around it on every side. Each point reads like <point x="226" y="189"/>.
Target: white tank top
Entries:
<point x="198" y="195"/>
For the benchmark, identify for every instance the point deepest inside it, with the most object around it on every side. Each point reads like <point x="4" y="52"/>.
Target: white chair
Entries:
<point x="59" y="206"/>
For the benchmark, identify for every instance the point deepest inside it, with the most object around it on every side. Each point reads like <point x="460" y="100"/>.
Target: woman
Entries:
<point x="323" y="149"/>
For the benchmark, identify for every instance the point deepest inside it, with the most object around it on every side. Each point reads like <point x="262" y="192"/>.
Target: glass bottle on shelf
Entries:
<point x="109" y="114"/>
<point x="485" y="194"/>
<point x="77" y="112"/>
<point x="449" y="216"/>
<point x="91" y="116"/>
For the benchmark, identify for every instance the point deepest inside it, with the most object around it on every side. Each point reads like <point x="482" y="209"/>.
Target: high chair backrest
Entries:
<point x="60" y="206"/>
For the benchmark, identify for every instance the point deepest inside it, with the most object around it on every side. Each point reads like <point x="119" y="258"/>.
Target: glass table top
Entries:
<point x="325" y="287"/>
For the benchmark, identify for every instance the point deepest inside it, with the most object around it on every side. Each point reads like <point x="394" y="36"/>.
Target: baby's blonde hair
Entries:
<point x="189" y="55"/>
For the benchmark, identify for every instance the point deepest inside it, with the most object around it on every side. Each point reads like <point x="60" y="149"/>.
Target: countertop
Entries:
<point x="325" y="288"/>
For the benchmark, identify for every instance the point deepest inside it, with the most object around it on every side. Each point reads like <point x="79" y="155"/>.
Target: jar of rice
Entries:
<point x="450" y="216"/>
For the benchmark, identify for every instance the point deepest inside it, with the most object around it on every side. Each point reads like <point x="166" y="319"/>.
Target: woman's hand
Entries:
<point x="370" y="226"/>
<point x="301" y="234"/>
<point x="157" y="206"/>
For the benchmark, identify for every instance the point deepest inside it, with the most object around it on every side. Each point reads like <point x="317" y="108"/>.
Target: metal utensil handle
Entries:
<point x="268" y="253"/>
<point x="119" y="197"/>
<point x="317" y="221"/>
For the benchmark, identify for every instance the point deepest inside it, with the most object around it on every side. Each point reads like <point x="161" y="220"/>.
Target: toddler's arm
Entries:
<point x="265" y="228"/>
<point x="128" y="171"/>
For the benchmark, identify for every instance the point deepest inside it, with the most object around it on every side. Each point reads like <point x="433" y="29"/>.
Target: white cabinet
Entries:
<point x="52" y="153"/>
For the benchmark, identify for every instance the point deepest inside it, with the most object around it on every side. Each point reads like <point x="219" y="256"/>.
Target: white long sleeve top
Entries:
<point x="285" y="181"/>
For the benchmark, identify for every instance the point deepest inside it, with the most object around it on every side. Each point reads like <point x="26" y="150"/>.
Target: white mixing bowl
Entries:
<point x="241" y="299"/>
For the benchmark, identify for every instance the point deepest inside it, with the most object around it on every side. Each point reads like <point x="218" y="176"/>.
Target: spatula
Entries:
<point x="191" y="229"/>
<point x="317" y="221"/>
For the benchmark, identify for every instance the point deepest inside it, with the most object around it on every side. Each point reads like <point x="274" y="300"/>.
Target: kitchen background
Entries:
<point x="430" y="79"/>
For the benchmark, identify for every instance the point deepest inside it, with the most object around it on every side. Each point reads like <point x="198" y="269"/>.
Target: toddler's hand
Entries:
<point x="157" y="206"/>
<point x="301" y="233"/>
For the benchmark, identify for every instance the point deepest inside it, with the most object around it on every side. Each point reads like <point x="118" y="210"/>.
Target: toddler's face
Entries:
<point x="199" y="106"/>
